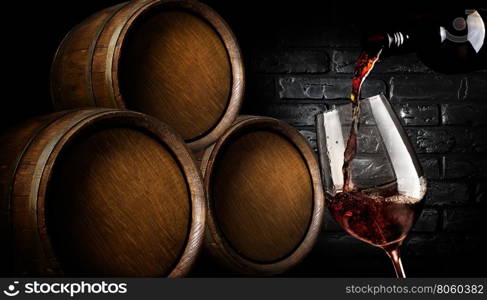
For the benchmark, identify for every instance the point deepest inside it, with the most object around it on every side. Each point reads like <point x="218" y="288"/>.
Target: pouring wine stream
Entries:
<point x="367" y="216"/>
<point x="364" y="66"/>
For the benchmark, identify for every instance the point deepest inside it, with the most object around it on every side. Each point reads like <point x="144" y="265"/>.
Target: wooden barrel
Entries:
<point x="264" y="195"/>
<point x="176" y="60"/>
<point x="98" y="192"/>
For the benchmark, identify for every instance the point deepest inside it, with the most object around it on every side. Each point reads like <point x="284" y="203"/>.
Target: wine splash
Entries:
<point x="383" y="221"/>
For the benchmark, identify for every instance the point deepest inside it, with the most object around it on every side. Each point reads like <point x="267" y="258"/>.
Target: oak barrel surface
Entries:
<point x="176" y="60"/>
<point x="99" y="192"/>
<point x="265" y="200"/>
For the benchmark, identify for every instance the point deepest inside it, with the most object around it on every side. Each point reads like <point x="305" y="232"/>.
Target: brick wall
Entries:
<point x="298" y="71"/>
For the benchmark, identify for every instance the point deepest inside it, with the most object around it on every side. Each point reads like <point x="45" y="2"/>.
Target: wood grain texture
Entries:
<point x="98" y="227"/>
<point x="176" y="60"/>
<point x="265" y="200"/>
<point x="102" y="193"/>
<point x="176" y="68"/>
<point x="262" y="195"/>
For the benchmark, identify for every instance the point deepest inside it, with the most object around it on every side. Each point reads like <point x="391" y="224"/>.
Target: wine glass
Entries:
<point x="387" y="181"/>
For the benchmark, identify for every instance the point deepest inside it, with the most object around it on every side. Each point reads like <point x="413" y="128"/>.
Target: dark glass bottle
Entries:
<point x="454" y="42"/>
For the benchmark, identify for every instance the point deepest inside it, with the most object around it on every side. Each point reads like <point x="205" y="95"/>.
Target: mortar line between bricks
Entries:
<point x="324" y="48"/>
<point x="330" y="47"/>
<point x="295" y="101"/>
<point x="301" y="101"/>
<point x="376" y="75"/>
<point x="434" y="101"/>
<point x="384" y="75"/>
<point x="398" y="73"/>
<point x="450" y="127"/>
<point x="473" y="155"/>
<point x="320" y="75"/>
<point x="449" y="180"/>
<point x="291" y="74"/>
<point x="275" y="82"/>
<point x="304" y="127"/>
<point x="311" y="75"/>
<point x="479" y="126"/>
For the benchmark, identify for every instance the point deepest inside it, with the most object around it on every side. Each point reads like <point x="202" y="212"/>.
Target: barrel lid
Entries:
<point x="181" y="63"/>
<point x="265" y="197"/>
<point x="123" y="198"/>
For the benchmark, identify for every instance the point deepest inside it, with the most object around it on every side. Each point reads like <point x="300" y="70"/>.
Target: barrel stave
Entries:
<point x="37" y="148"/>
<point x="274" y="200"/>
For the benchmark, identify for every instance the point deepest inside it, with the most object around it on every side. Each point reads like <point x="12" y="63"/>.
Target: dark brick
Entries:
<point x="480" y="192"/>
<point x="310" y="135"/>
<point x="464" y="114"/>
<point x="343" y="61"/>
<point x="462" y="219"/>
<point x="293" y="87"/>
<point x="474" y="87"/>
<point x="447" y="193"/>
<point x="347" y="35"/>
<point x="431" y="167"/>
<point x="300" y="88"/>
<point x="438" y="87"/>
<point x="290" y="61"/>
<point x="445" y="139"/>
<point x="420" y="244"/>
<point x="432" y="87"/>
<point x="464" y="166"/>
<point x="427" y="221"/>
<point x="478" y="139"/>
<point x="407" y="63"/>
<point x="296" y="115"/>
<point x="431" y="141"/>
<point x="418" y="114"/>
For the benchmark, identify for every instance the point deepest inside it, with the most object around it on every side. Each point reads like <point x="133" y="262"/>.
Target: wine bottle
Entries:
<point x="453" y="42"/>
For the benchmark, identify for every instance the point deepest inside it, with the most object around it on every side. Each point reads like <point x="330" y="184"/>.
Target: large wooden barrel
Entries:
<point x="176" y="60"/>
<point x="98" y="192"/>
<point x="264" y="196"/>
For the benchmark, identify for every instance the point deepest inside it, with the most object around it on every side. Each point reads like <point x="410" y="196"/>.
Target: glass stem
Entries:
<point x="395" y="256"/>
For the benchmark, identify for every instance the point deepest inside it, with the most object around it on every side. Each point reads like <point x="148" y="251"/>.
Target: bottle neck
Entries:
<point x="390" y="42"/>
<point x="458" y="28"/>
<point x="397" y="40"/>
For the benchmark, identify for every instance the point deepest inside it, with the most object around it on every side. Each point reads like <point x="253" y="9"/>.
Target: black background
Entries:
<point x="31" y="32"/>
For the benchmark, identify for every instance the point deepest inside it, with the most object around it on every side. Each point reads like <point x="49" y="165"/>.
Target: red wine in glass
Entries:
<point x="380" y="220"/>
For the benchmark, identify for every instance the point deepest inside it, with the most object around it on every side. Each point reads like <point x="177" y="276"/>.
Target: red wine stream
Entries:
<point x="365" y="64"/>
